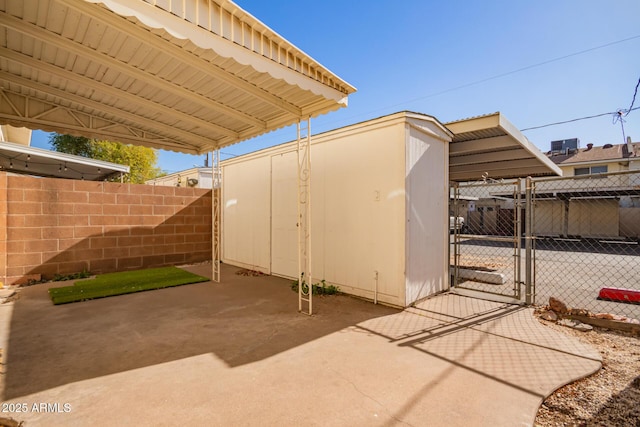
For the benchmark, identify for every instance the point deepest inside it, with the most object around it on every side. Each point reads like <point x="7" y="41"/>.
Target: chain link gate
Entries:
<point x="488" y="223"/>
<point x="572" y="238"/>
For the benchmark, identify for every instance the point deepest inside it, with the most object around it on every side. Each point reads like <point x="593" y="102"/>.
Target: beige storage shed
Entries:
<point x="379" y="209"/>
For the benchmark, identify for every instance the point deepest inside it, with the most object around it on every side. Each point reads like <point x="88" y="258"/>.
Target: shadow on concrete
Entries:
<point x="241" y="320"/>
<point x="491" y="342"/>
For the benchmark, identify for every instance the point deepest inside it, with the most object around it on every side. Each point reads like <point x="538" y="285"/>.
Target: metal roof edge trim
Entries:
<point x="431" y="119"/>
<point x="515" y="133"/>
<point x="158" y="18"/>
<point x="258" y="23"/>
<point x="320" y="137"/>
<point x="468" y="119"/>
<point x="428" y="132"/>
<point x="56" y="155"/>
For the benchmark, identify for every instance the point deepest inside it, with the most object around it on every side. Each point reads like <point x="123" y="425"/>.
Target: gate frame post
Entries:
<point x="456" y="234"/>
<point x="529" y="297"/>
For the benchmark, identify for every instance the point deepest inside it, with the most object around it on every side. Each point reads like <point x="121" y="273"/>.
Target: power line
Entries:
<point x="635" y="92"/>
<point x="528" y="67"/>
<point x="581" y="52"/>
<point x="229" y="154"/>
<point x="575" y="120"/>
<point x="497" y="76"/>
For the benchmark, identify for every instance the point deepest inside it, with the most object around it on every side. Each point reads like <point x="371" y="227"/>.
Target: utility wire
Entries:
<point x="581" y="52"/>
<point x="614" y="113"/>
<point x="528" y="67"/>
<point x="229" y="154"/>
<point x="635" y="92"/>
<point x="617" y="115"/>
<point x="497" y="76"/>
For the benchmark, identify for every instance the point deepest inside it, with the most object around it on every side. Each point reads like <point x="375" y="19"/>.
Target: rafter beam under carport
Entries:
<point x="86" y="52"/>
<point x="180" y="54"/>
<point x="483" y="145"/>
<point x="106" y="90"/>
<point x="497" y="156"/>
<point x="90" y="105"/>
<point x="24" y="111"/>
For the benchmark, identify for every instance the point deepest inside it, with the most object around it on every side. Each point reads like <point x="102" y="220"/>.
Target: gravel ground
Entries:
<point x="611" y="396"/>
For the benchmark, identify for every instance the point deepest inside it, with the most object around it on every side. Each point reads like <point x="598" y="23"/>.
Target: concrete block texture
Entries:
<point x="56" y="226"/>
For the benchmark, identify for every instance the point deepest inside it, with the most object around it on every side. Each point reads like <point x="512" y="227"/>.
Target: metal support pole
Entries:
<point x="456" y="234"/>
<point x="518" y="238"/>
<point x="305" y="279"/>
<point x="528" y="241"/>
<point x="216" y="194"/>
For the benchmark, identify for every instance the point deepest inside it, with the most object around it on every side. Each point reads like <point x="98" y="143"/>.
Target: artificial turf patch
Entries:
<point x="126" y="282"/>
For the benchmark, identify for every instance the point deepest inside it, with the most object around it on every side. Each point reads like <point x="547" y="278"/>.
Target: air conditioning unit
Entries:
<point x="564" y="145"/>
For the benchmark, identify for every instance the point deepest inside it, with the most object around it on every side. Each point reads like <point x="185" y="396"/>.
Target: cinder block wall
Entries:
<point x="56" y="226"/>
<point x="3" y="227"/>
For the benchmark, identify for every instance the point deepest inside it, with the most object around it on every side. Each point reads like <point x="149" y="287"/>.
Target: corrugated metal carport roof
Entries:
<point x="190" y="76"/>
<point x="491" y="146"/>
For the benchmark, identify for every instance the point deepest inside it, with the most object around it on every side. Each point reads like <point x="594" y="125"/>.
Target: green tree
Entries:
<point x="76" y="145"/>
<point x="142" y="161"/>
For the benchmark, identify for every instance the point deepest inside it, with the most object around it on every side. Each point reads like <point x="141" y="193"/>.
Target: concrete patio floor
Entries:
<point x="237" y="353"/>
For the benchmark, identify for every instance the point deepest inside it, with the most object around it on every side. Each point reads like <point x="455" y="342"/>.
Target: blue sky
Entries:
<point x="456" y="59"/>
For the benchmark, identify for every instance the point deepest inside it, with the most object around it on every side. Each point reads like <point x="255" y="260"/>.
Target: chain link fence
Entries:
<point x="583" y="235"/>
<point x="587" y="237"/>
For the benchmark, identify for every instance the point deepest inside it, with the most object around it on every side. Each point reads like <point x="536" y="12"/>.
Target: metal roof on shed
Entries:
<point x="490" y="146"/>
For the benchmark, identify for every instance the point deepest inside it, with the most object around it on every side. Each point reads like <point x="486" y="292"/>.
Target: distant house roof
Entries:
<point x="607" y="152"/>
<point x="181" y="177"/>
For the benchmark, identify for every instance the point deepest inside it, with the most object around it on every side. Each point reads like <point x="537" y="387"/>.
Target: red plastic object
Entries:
<point x="620" y="295"/>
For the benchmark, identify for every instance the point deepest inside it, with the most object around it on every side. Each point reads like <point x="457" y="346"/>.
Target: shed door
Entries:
<point x="284" y="212"/>
<point x="594" y="218"/>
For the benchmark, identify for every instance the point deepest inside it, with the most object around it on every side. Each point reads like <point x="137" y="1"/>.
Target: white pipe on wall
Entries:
<point x="375" y="293"/>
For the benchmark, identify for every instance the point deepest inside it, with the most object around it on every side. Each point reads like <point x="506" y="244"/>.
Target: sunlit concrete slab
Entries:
<point x="235" y="353"/>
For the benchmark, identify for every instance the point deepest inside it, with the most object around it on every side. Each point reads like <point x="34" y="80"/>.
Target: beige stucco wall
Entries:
<point x="611" y="167"/>
<point x="361" y="210"/>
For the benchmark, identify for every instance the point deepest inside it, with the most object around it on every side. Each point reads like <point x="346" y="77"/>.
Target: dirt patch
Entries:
<point x="608" y="397"/>
<point x="478" y="262"/>
<point x="249" y="273"/>
<point x="10" y="422"/>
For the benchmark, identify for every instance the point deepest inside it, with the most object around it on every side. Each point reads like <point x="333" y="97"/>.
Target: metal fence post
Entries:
<point x="528" y="241"/>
